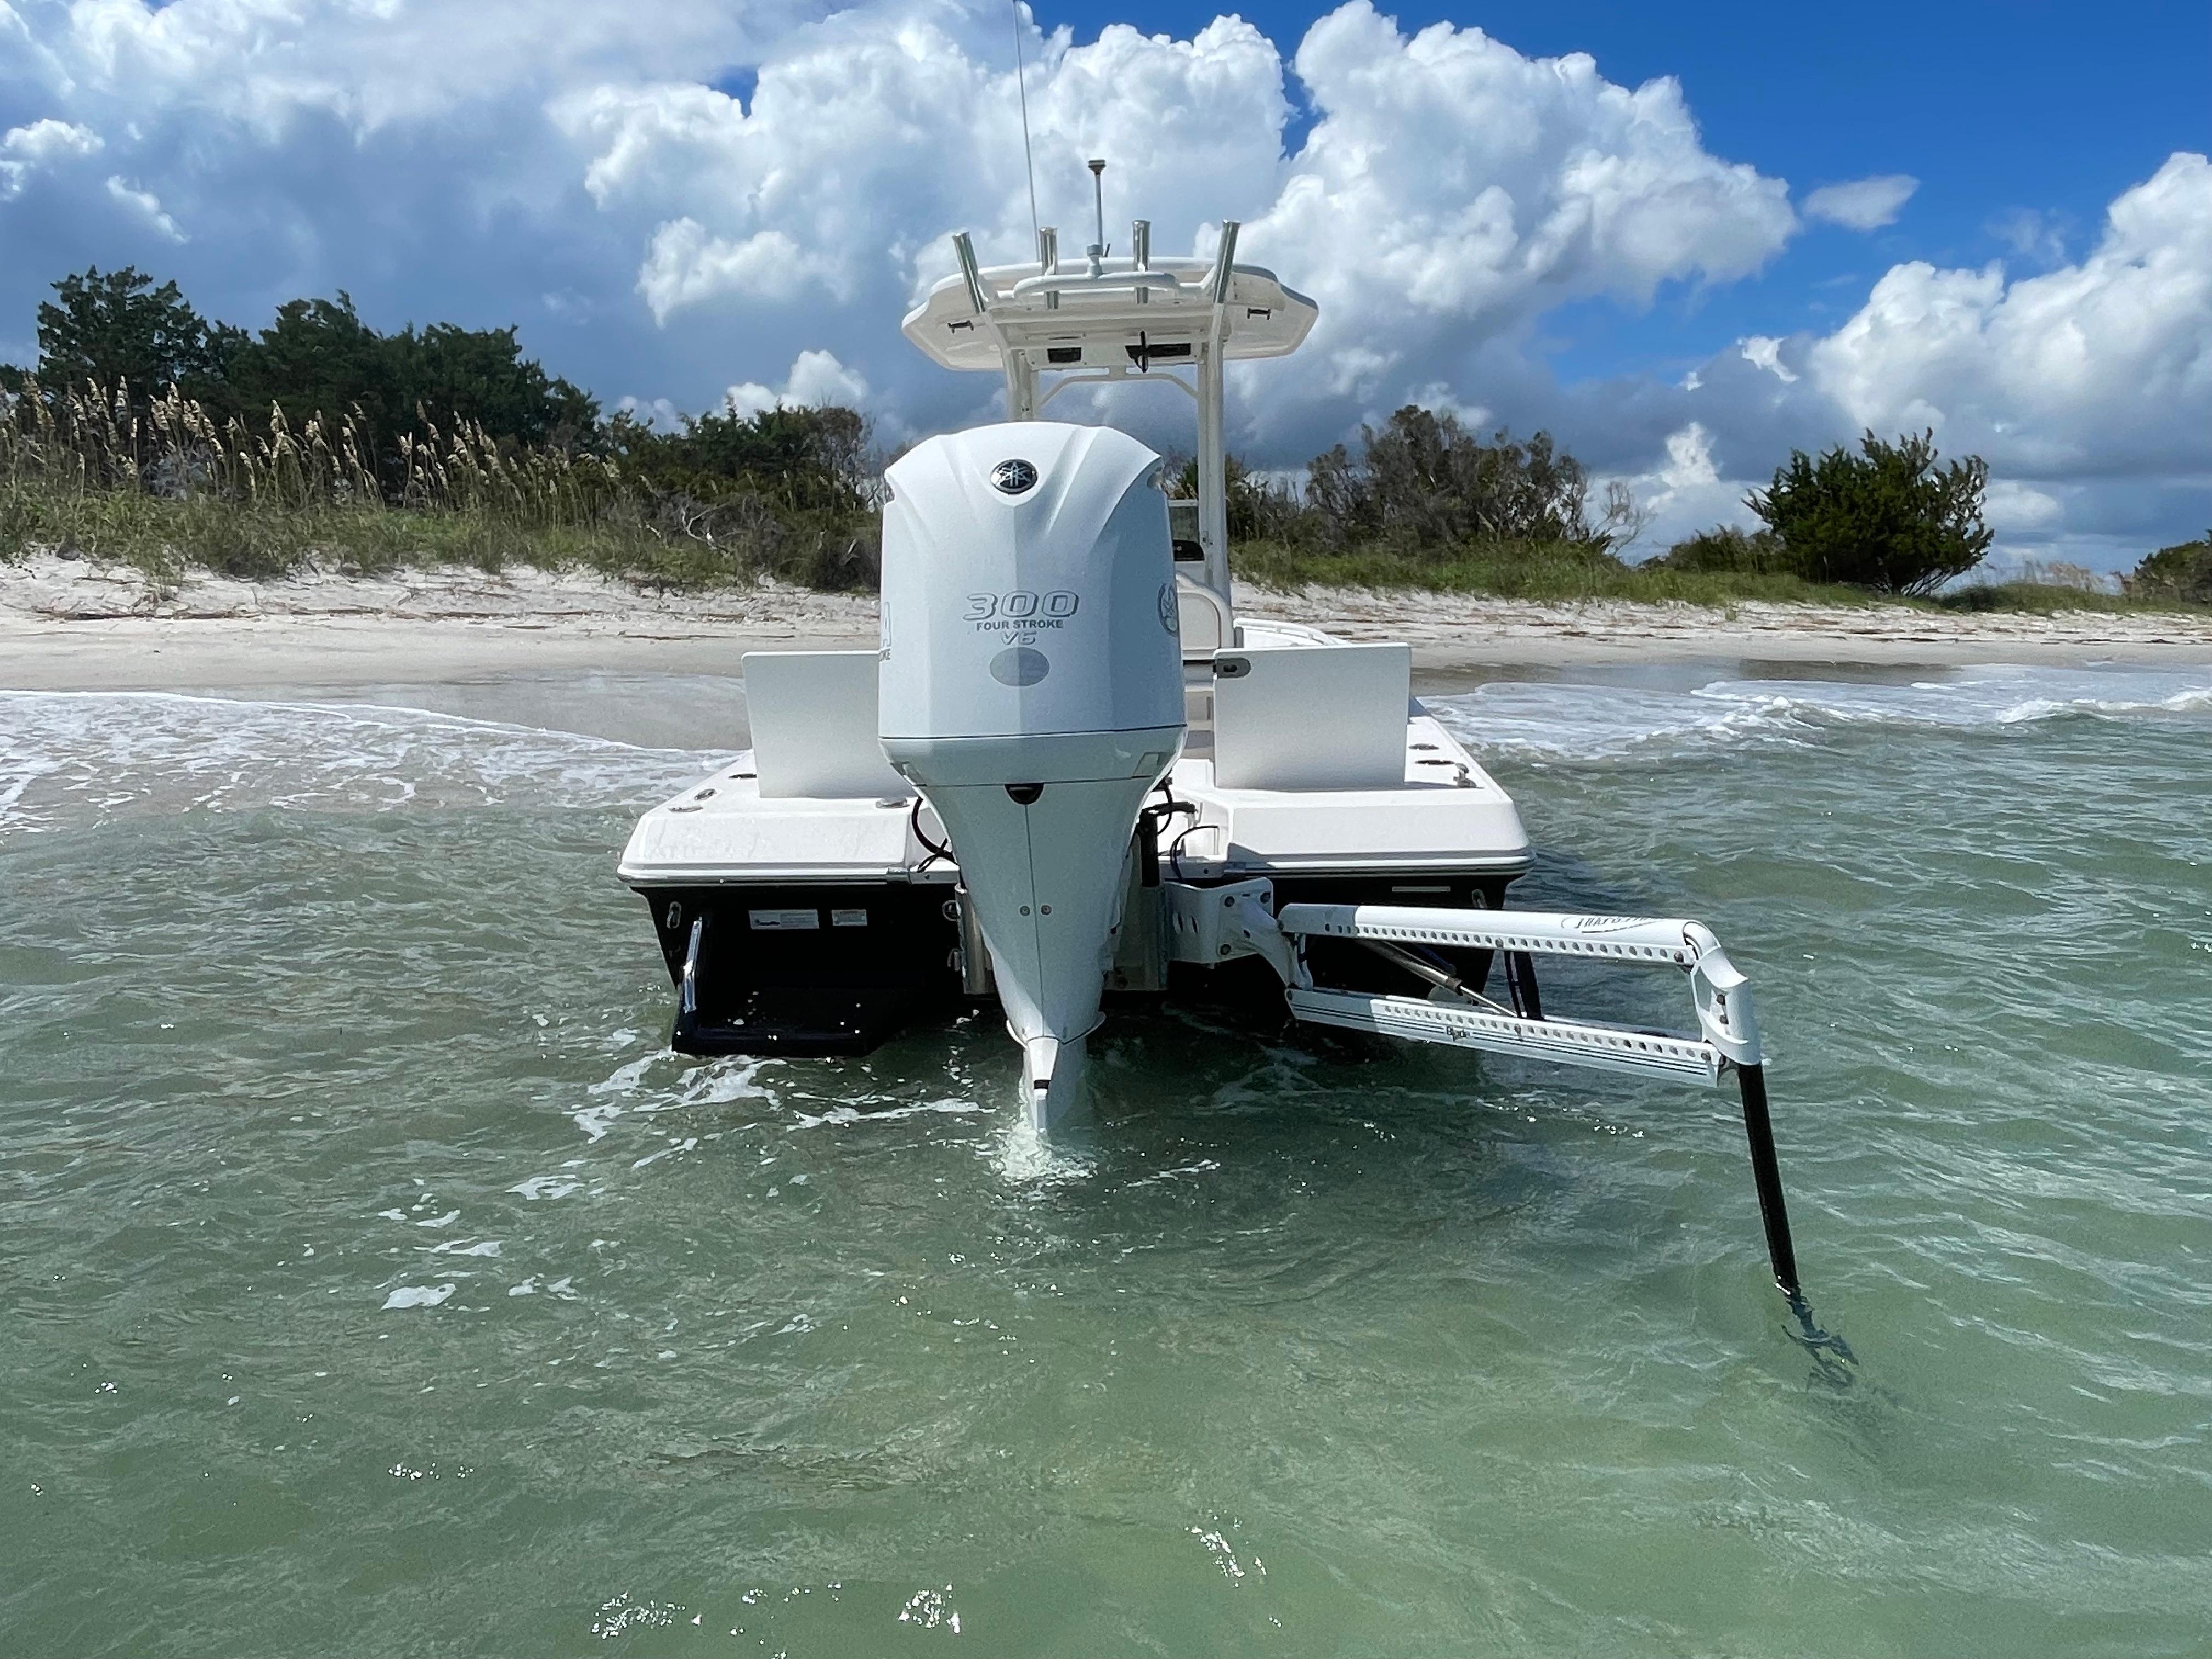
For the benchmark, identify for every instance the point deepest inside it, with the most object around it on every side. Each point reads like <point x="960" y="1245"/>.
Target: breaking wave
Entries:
<point x="1552" y="721"/>
<point x="71" y="759"/>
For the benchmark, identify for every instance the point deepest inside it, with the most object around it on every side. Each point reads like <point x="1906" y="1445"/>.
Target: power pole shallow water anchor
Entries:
<point x="1239" y="920"/>
<point x="1766" y="1173"/>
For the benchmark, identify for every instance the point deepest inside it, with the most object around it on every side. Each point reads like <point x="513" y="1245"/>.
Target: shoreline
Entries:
<point x="71" y="625"/>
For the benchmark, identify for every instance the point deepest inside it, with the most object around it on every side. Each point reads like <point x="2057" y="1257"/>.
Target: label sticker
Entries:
<point x="784" y="922"/>
<point x="1019" y="665"/>
<point x="848" y="918"/>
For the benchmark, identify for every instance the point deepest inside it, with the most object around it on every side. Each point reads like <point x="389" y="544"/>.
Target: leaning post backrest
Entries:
<point x="813" y="717"/>
<point x="1311" y="717"/>
<point x="1203" y="618"/>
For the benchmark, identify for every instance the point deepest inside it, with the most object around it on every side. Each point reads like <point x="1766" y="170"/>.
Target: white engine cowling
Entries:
<point x="1032" y="688"/>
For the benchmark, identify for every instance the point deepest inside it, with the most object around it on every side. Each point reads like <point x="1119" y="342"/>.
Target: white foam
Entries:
<point x="729" y="1080"/>
<point x="419" y="1296"/>
<point x="539" y="1186"/>
<point x="884" y="1114"/>
<point x="1556" y="721"/>
<point x="690" y="1142"/>
<point x="72" y="758"/>
<point x="632" y="1089"/>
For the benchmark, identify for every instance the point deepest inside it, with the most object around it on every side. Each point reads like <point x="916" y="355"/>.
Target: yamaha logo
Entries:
<point x="1013" y="477"/>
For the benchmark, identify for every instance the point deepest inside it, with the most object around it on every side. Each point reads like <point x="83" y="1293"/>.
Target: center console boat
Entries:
<point x="1073" y="775"/>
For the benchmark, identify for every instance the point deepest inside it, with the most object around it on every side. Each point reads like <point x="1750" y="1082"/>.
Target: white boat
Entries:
<point x="1073" y="775"/>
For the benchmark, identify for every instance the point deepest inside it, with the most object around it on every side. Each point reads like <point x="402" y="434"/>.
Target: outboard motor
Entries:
<point x="1031" y="690"/>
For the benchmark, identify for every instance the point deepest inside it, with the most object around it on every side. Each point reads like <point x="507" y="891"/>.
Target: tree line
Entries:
<point x="441" y="416"/>
<point x="1422" y="487"/>
<point x="317" y="361"/>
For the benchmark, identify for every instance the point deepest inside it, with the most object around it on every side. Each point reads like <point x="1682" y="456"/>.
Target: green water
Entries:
<point x="376" y="1283"/>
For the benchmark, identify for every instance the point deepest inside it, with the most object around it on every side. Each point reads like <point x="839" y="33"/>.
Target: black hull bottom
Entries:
<point x="829" y="970"/>
<point x="802" y="1021"/>
<point x="805" y="970"/>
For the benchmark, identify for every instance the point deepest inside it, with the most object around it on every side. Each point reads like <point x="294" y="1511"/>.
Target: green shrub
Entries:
<point x="1726" y="547"/>
<point x="1426" y="483"/>
<point x="797" y="460"/>
<point x="2043" y="598"/>
<point x="1539" y="572"/>
<point x="19" y="521"/>
<point x="2182" y="571"/>
<point x="1885" y="519"/>
<point x="250" y="544"/>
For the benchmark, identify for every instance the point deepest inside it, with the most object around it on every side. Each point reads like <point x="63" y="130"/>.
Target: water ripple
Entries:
<point x="376" y="1269"/>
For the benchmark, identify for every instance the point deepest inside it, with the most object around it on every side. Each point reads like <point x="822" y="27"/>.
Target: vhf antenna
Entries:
<point x="1098" y="249"/>
<point x="1021" y="81"/>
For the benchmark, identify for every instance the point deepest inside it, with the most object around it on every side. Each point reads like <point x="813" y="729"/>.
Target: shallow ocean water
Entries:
<point x="379" y="1283"/>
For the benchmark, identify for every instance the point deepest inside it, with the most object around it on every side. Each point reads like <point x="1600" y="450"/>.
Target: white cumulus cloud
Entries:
<point x="817" y="381"/>
<point x="2101" y="367"/>
<point x="871" y="136"/>
<point x="2088" y="387"/>
<point x="145" y="205"/>
<point x="1684" y="493"/>
<point x="1454" y="189"/>
<point x="2014" y="509"/>
<point x="687" y="267"/>
<point x="27" y="150"/>
<point x="679" y="199"/>
<point x="1765" y="351"/>
<point x="266" y="65"/>
<point x="1863" y="204"/>
<point x="1450" y="191"/>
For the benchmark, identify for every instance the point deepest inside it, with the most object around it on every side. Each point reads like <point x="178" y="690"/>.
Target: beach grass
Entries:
<point x="167" y="492"/>
<point x="256" y="541"/>
<point x="264" y="538"/>
<point x="1571" y="574"/>
<point x="1542" y="572"/>
<point x="2049" y="597"/>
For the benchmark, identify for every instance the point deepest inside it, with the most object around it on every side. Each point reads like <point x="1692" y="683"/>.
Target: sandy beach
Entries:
<point x="71" y="624"/>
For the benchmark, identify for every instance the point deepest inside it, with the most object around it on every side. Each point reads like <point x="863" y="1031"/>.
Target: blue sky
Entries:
<point x="2018" y="119"/>
<point x="704" y="198"/>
